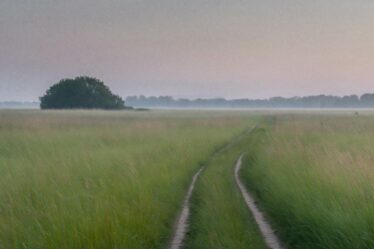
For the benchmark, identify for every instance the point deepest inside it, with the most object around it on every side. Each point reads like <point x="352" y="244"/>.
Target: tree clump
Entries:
<point x="81" y="93"/>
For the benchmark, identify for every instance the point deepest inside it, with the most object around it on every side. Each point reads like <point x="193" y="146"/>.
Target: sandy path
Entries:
<point x="267" y="232"/>
<point x="182" y="221"/>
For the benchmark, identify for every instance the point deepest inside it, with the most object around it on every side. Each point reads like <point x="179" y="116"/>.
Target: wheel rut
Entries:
<point x="271" y="239"/>
<point x="182" y="221"/>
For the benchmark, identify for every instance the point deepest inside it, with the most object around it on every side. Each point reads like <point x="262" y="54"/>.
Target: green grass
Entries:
<point x="314" y="177"/>
<point x="102" y="179"/>
<point x="220" y="218"/>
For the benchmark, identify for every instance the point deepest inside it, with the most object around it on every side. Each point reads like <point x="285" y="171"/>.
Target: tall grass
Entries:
<point x="314" y="176"/>
<point x="100" y="179"/>
<point x="220" y="218"/>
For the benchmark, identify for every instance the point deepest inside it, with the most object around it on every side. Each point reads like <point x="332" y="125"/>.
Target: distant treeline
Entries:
<point x="18" y="105"/>
<point x="318" y="101"/>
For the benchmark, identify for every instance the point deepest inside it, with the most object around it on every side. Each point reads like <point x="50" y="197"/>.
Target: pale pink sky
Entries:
<point x="189" y="48"/>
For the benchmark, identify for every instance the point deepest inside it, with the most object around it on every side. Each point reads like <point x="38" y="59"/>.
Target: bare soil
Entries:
<point x="271" y="239"/>
<point x="181" y="225"/>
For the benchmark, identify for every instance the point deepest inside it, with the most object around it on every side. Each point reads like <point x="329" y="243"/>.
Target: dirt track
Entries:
<point x="267" y="232"/>
<point x="181" y="224"/>
<point x="182" y="221"/>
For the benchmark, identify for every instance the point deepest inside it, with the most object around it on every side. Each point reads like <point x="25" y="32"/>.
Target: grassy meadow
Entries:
<point x="76" y="179"/>
<point x="314" y="177"/>
<point x="108" y="179"/>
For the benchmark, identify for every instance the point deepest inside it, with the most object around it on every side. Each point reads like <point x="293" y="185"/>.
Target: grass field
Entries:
<point x="313" y="175"/>
<point x="101" y="179"/>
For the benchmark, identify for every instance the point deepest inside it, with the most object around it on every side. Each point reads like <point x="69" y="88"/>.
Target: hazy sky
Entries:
<point x="189" y="48"/>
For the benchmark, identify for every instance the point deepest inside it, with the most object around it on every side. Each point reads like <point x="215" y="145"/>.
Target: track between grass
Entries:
<point x="267" y="232"/>
<point x="181" y="224"/>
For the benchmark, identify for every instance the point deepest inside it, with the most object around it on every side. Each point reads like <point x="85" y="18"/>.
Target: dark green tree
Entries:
<point x="83" y="93"/>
